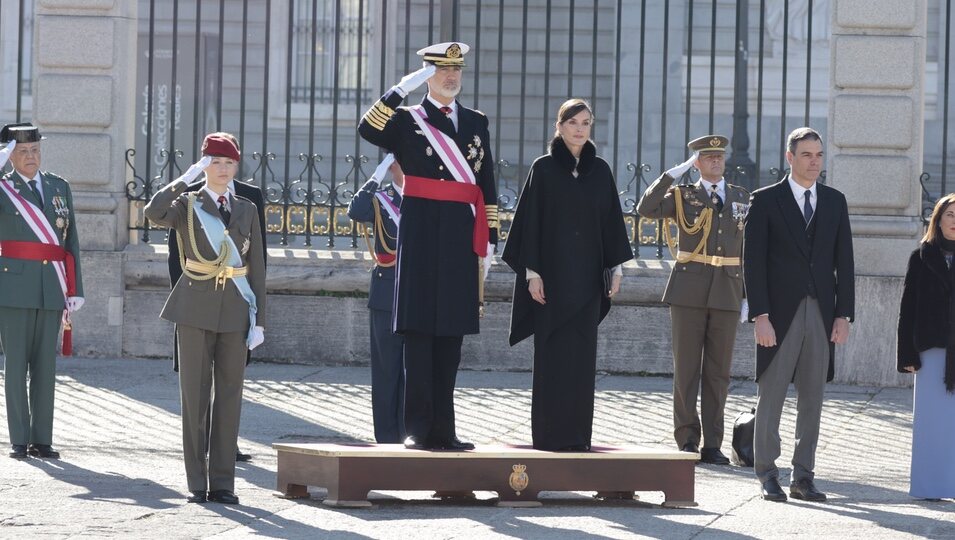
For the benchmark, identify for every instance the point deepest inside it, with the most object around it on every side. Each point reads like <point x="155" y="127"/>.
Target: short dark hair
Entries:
<point x="933" y="233"/>
<point x="801" y="134"/>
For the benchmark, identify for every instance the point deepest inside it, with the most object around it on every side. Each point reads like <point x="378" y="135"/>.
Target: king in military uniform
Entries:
<point x="448" y="225"/>
<point x="705" y="290"/>
<point x="40" y="285"/>
<point x="380" y="208"/>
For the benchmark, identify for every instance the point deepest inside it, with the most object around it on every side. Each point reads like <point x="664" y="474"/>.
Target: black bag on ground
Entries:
<point x="743" y="429"/>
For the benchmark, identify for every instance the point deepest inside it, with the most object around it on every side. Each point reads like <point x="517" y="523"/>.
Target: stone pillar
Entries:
<point x="875" y="158"/>
<point x="84" y="102"/>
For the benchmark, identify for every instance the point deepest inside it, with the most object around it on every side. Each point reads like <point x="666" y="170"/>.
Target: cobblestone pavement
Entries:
<point x="121" y="475"/>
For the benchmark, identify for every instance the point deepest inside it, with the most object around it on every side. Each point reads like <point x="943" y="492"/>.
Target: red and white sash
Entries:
<point x="41" y="227"/>
<point x="393" y="211"/>
<point x="446" y="148"/>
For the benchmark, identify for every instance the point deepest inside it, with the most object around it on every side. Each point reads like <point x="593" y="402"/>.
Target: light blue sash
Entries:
<point x="215" y="233"/>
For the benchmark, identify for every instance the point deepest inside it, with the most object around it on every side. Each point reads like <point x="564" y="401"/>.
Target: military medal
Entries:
<point x="245" y="246"/>
<point x="60" y="223"/>
<point x="429" y="151"/>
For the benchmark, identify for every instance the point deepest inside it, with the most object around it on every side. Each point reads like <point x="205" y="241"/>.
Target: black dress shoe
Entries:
<point x="44" y="451"/>
<point x="575" y="448"/>
<point x="414" y="443"/>
<point x="223" y="496"/>
<point x="690" y="447"/>
<point x="239" y="456"/>
<point x="454" y="444"/>
<point x="713" y="456"/>
<point x="805" y="490"/>
<point x="772" y="491"/>
<point x="18" y="451"/>
<point x="197" y="497"/>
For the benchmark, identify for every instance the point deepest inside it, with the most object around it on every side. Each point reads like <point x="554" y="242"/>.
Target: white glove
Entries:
<point x="488" y="259"/>
<point x="411" y="81"/>
<point x="195" y="170"/>
<point x="256" y="337"/>
<point x="5" y="153"/>
<point x="74" y="303"/>
<point x="680" y="170"/>
<point x="744" y="311"/>
<point x="382" y="169"/>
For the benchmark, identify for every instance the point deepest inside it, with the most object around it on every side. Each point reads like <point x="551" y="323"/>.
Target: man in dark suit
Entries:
<point x="241" y="189"/>
<point x="448" y="225"/>
<point x="380" y="209"/>
<point x="800" y="285"/>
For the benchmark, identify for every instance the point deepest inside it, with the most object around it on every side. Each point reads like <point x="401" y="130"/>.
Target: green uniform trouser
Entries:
<point x="29" y="343"/>
<point x="211" y="375"/>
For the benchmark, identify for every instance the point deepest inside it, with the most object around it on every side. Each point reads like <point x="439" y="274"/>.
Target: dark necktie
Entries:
<point x="807" y="207"/>
<point x="446" y="110"/>
<point x="36" y="192"/>
<point x="715" y="198"/>
<point x="223" y="211"/>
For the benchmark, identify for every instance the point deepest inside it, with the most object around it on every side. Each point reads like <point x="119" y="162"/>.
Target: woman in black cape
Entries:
<point x="568" y="228"/>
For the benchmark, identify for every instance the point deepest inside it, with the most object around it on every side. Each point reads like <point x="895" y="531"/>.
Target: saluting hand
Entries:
<point x="536" y="288"/>
<point x="196" y="169"/>
<point x="413" y="80"/>
<point x="765" y="333"/>
<point x="382" y="168"/>
<point x="5" y="153"/>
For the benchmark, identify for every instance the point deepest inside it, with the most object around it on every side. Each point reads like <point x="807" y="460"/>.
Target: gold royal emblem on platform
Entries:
<point x="518" y="479"/>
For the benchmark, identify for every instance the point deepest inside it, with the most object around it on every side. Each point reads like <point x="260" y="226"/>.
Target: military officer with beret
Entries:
<point x="448" y="225"/>
<point x="380" y="209"/>
<point x="705" y="289"/>
<point x="236" y="188"/>
<point x="218" y="306"/>
<point x="40" y="285"/>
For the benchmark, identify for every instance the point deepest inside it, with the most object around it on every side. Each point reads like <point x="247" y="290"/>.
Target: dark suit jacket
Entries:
<point x="778" y="262"/>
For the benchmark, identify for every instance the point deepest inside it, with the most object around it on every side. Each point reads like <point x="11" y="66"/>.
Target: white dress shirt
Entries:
<point x="453" y="115"/>
<point x="708" y="187"/>
<point x="799" y="193"/>
<point x="215" y="197"/>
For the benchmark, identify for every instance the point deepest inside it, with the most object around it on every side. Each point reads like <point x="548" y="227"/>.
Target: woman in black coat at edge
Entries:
<point x="926" y="347"/>
<point x="567" y="229"/>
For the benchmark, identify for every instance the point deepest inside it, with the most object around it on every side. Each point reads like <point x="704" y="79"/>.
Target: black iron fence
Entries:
<point x="291" y="78"/>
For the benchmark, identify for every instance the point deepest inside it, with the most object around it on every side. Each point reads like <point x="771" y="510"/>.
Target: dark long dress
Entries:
<point x="567" y="229"/>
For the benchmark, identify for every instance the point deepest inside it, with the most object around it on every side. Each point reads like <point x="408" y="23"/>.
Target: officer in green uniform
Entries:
<point x="705" y="290"/>
<point x="40" y="285"/>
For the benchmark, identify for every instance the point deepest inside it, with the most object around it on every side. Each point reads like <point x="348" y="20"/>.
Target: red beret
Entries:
<point x="217" y="145"/>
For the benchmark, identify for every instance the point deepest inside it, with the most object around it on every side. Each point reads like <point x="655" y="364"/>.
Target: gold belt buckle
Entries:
<point x="716" y="260"/>
<point x="226" y="273"/>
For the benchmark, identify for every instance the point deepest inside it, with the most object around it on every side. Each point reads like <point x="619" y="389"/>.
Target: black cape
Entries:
<point x="568" y="230"/>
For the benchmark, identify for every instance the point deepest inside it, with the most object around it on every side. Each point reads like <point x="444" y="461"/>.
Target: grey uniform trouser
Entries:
<point x="803" y="358"/>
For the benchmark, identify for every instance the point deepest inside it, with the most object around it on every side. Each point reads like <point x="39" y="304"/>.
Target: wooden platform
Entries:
<point x="516" y="473"/>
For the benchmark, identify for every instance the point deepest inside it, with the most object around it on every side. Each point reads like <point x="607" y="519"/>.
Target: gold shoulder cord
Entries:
<point x="380" y="231"/>
<point x="704" y="223"/>
<point x="224" y="250"/>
